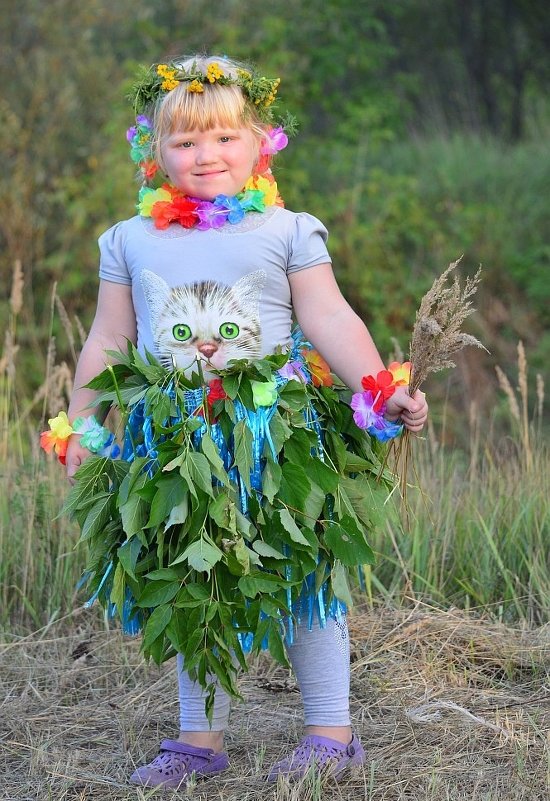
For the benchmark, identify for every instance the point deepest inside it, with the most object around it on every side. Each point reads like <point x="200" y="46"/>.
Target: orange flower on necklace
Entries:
<point x="382" y="387"/>
<point x="318" y="368"/>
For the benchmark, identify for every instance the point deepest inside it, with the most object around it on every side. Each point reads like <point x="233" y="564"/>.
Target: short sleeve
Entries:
<point x="308" y="246"/>
<point x="112" y="264"/>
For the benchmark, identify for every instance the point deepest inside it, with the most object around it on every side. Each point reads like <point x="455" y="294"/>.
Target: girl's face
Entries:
<point x="204" y="164"/>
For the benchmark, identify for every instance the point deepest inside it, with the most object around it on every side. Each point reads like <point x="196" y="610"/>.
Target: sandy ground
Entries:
<point x="447" y="706"/>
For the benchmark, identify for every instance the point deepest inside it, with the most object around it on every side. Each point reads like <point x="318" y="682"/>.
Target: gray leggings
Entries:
<point x="320" y="660"/>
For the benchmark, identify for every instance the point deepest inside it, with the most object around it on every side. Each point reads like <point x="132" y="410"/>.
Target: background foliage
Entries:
<point x="422" y="137"/>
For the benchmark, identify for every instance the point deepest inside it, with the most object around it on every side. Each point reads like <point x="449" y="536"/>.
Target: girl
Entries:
<point x="207" y="273"/>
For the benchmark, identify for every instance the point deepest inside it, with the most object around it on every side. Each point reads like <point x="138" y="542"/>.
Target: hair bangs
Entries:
<point x="217" y="105"/>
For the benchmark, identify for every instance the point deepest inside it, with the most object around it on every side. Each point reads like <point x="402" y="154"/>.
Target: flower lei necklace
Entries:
<point x="168" y="205"/>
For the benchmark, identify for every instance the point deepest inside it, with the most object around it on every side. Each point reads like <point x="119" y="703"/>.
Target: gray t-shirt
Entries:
<point x="218" y="294"/>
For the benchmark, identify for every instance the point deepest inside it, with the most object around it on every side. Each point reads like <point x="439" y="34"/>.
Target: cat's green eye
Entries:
<point x="181" y="332"/>
<point x="229" y="330"/>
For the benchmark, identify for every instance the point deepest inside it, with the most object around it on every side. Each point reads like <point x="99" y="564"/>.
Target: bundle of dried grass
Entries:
<point x="437" y="336"/>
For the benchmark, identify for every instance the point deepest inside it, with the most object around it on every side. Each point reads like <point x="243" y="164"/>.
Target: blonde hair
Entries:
<point x="217" y="104"/>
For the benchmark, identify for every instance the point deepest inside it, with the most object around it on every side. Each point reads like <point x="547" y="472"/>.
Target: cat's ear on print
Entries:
<point x="156" y="291"/>
<point x="249" y="288"/>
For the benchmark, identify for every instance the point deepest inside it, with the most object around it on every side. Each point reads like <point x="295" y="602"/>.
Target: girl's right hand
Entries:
<point x="76" y="454"/>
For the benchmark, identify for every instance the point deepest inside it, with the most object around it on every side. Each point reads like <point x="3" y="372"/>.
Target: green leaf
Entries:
<point x="260" y="633"/>
<point x="195" y="639"/>
<point x="224" y="673"/>
<point x="289" y="525"/>
<point x="348" y="544"/>
<point x="257" y="582"/>
<point x="293" y="394"/>
<point x="157" y="593"/>
<point x="314" y="505"/>
<point x="295" y="486"/>
<point x="276" y="644"/>
<point x="128" y="554"/>
<point x="118" y="589"/>
<point x="178" y="514"/>
<point x="242" y="437"/>
<point x="242" y="555"/>
<point x="98" y="515"/>
<point x="367" y="499"/>
<point x="222" y="512"/>
<point x="152" y="372"/>
<point x="356" y="464"/>
<point x="264" y="549"/>
<point x="199" y="471"/>
<point x="339" y="581"/>
<point x="280" y="431"/>
<point x="244" y="526"/>
<point x="337" y="448"/>
<point x="134" y="515"/>
<point x="321" y="474"/>
<point x="157" y="404"/>
<point x="230" y="384"/>
<point x="200" y="555"/>
<point x="199" y="591"/>
<point x="156" y="624"/>
<point x="171" y="491"/>
<point x="166" y="574"/>
<point x="271" y="478"/>
<point x="177" y="461"/>
<point x="212" y="454"/>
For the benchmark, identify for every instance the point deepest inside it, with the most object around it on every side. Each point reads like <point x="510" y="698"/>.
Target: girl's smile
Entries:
<point x="204" y="164"/>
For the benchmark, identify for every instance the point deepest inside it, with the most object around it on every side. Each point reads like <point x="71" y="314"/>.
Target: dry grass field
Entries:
<point x="449" y="707"/>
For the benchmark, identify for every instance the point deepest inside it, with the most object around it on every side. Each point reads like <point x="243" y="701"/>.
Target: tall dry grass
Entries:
<point x="478" y="529"/>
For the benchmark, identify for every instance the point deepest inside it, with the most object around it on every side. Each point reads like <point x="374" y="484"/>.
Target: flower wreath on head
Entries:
<point x="166" y="204"/>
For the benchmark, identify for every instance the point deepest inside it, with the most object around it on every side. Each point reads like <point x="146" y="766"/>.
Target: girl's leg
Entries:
<point x="195" y="728"/>
<point x="199" y="747"/>
<point x="321" y="661"/>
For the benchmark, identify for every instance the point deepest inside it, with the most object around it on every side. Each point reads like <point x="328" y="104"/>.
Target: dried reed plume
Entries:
<point x="519" y="409"/>
<point x="437" y="336"/>
<point x="67" y="326"/>
<point x="17" y="284"/>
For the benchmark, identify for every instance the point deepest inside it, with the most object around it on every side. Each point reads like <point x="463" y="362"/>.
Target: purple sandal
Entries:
<point x="322" y="753"/>
<point x="176" y="763"/>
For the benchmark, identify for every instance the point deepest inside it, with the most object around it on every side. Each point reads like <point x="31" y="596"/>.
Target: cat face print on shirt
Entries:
<point x="205" y="320"/>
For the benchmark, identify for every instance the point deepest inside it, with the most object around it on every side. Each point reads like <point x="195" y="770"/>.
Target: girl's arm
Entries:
<point x="341" y="337"/>
<point x="114" y="322"/>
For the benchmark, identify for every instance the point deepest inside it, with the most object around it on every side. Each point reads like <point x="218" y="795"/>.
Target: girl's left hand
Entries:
<point x="413" y="410"/>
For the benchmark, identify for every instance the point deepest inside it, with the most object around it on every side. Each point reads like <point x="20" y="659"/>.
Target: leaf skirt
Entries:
<point x="240" y="506"/>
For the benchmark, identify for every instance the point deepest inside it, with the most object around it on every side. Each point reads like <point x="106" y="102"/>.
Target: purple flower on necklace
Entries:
<point x="293" y="371"/>
<point x="275" y="140"/>
<point x="210" y="215"/>
<point x="232" y="205"/>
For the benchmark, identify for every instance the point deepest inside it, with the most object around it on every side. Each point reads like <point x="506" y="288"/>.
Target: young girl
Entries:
<point x="207" y="273"/>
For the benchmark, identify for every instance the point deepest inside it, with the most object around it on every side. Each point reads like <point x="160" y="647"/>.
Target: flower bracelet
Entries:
<point x="93" y="436"/>
<point x="369" y="406"/>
